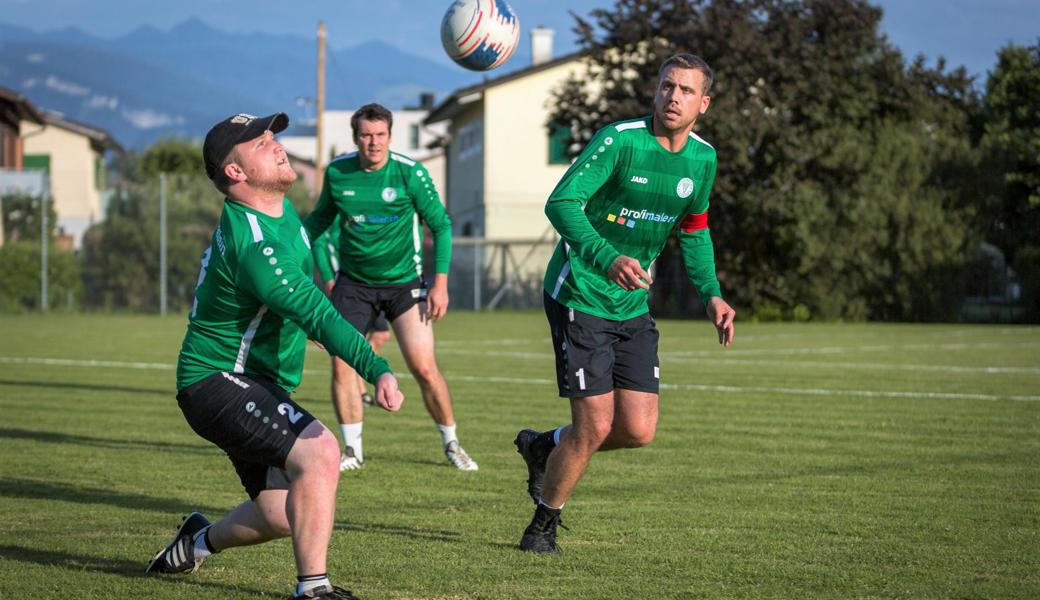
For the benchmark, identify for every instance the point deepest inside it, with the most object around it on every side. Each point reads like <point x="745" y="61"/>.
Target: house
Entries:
<point x="73" y="155"/>
<point x="15" y="109"/>
<point x="502" y="159"/>
<point x="410" y="136"/>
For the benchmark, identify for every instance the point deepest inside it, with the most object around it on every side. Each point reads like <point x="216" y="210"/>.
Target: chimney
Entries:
<point x="541" y="45"/>
<point x="426" y="100"/>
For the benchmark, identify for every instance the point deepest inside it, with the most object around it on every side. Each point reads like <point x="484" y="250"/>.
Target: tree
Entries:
<point x="841" y="169"/>
<point x="1010" y="147"/>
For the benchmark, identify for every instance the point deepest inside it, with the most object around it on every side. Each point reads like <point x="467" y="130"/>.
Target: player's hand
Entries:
<point x="328" y="287"/>
<point x="629" y="274"/>
<point x="437" y="297"/>
<point x="388" y="396"/>
<point x="722" y="315"/>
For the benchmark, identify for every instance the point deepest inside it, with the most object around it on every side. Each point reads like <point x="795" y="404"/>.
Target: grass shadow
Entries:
<point x="53" y="437"/>
<point x="43" y="490"/>
<point x="89" y="387"/>
<point x="123" y="568"/>
<point x="415" y="533"/>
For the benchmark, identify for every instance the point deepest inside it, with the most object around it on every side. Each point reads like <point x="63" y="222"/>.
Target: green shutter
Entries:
<point x="37" y="161"/>
<point x="559" y="139"/>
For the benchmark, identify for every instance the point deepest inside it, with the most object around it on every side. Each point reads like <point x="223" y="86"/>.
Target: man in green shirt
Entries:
<point x="326" y="260"/>
<point x="382" y="200"/>
<point x="255" y="306"/>
<point x="636" y="183"/>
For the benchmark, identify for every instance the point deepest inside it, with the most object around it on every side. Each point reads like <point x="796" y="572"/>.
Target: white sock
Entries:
<point x="558" y="435"/>
<point x="351" y="433"/>
<point x="306" y="584"/>
<point x="201" y="549"/>
<point x="447" y="433"/>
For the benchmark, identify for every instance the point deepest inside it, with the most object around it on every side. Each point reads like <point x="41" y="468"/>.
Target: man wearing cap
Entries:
<point x="255" y="306"/>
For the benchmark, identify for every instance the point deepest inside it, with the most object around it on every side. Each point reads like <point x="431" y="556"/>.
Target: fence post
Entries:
<point x="162" y="244"/>
<point x="43" y="245"/>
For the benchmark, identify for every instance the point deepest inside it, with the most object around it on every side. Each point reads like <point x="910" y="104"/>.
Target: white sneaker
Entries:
<point x="458" y="457"/>
<point x="349" y="462"/>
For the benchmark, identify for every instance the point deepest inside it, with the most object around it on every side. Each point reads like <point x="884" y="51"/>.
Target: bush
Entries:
<point x="20" y="284"/>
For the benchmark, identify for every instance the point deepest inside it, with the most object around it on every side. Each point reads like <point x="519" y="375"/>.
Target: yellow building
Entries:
<point x="73" y="154"/>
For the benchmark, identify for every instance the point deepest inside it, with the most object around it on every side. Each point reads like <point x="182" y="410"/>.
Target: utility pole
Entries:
<point x="44" y="240"/>
<point x="319" y="157"/>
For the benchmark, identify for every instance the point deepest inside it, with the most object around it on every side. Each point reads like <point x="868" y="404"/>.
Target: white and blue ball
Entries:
<point x="480" y="35"/>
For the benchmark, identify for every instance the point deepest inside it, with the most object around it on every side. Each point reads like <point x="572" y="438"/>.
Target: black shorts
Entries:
<point x="361" y="303"/>
<point x="595" y="356"/>
<point x="251" y="419"/>
<point x="379" y="325"/>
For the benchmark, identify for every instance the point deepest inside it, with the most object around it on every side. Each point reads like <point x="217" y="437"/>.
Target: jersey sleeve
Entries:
<point x="695" y="242"/>
<point x="322" y="251"/>
<point x="324" y="213"/>
<point x="269" y="273"/>
<point x="593" y="168"/>
<point x="431" y="211"/>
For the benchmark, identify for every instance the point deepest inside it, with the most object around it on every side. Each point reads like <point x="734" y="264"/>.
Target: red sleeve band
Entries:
<point x="694" y="222"/>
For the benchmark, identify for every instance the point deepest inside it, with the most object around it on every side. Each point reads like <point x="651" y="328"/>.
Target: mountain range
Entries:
<point x="151" y="84"/>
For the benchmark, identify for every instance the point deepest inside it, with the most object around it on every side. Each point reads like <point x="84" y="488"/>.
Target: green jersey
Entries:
<point x="381" y="215"/>
<point x="625" y="195"/>
<point x="256" y="304"/>
<point x="326" y="253"/>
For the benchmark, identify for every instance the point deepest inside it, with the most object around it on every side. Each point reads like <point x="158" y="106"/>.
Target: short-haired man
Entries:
<point x="255" y="306"/>
<point x="382" y="200"/>
<point x="635" y="183"/>
<point x="350" y="416"/>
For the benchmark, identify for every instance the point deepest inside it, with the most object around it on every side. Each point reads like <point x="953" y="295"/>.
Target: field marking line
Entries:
<point x="542" y="381"/>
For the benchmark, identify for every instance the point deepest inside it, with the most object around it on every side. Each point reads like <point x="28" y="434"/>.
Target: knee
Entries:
<point x="635" y="437"/>
<point x="319" y="456"/>
<point x="426" y="373"/>
<point x="591" y="436"/>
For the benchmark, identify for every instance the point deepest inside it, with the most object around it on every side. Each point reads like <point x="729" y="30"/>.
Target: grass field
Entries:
<point x="807" y="461"/>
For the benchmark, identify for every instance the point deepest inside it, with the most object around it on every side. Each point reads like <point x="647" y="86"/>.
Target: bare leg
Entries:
<point x="306" y="511"/>
<point x="376" y="339"/>
<point x="415" y="336"/>
<point x="346" y="398"/>
<point x="619" y="419"/>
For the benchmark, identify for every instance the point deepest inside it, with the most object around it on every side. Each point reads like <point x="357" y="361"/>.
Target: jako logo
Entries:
<point x="638" y="179"/>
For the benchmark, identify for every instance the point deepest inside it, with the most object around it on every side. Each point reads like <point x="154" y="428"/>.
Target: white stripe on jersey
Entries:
<point x="247" y="339"/>
<point x="701" y="140"/>
<point x="333" y="259"/>
<point x="303" y="234"/>
<point x="633" y="125"/>
<point x="399" y="158"/>
<point x="258" y="236"/>
<point x="417" y="257"/>
<point x="564" y="271"/>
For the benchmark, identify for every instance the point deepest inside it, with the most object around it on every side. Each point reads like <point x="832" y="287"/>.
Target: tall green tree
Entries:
<point x="841" y="182"/>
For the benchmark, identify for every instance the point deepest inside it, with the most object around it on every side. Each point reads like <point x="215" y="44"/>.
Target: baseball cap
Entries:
<point x="234" y="130"/>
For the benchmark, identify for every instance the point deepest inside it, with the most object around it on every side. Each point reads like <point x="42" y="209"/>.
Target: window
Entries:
<point x="413" y="137"/>
<point x="559" y="140"/>
<point x="37" y="161"/>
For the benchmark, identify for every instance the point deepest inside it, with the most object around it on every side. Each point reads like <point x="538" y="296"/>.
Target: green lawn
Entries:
<point x="807" y="461"/>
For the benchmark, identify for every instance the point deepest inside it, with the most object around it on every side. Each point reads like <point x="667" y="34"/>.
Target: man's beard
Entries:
<point x="278" y="186"/>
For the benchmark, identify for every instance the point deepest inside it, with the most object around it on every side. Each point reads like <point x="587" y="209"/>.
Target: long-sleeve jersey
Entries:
<point x="624" y="195"/>
<point x="326" y="253"/>
<point x="256" y="304"/>
<point x="380" y="219"/>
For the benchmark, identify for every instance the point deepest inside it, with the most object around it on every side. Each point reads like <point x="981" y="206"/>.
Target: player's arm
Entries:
<point x="698" y="255"/>
<point x="431" y="211"/>
<point x="323" y="261"/>
<point x="593" y="168"/>
<point x="324" y="213"/>
<point x="268" y="272"/>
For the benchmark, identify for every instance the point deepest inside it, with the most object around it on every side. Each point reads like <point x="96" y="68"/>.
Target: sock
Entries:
<point x="202" y="547"/>
<point x="549" y="508"/>
<point x="307" y="583"/>
<point x="557" y="435"/>
<point x="351" y="433"/>
<point x="447" y="433"/>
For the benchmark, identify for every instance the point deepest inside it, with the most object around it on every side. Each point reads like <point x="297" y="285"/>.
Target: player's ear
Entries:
<point x="234" y="172"/>
<point x="705" y="101"/>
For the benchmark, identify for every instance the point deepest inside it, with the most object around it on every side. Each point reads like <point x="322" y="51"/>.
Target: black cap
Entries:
<point x="233" y="131"/>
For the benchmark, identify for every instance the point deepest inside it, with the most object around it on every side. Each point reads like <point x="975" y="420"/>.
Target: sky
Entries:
<point x="966" y="32"/>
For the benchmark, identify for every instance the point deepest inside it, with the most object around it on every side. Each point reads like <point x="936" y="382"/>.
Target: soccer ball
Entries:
<point x="480" y="34"/>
